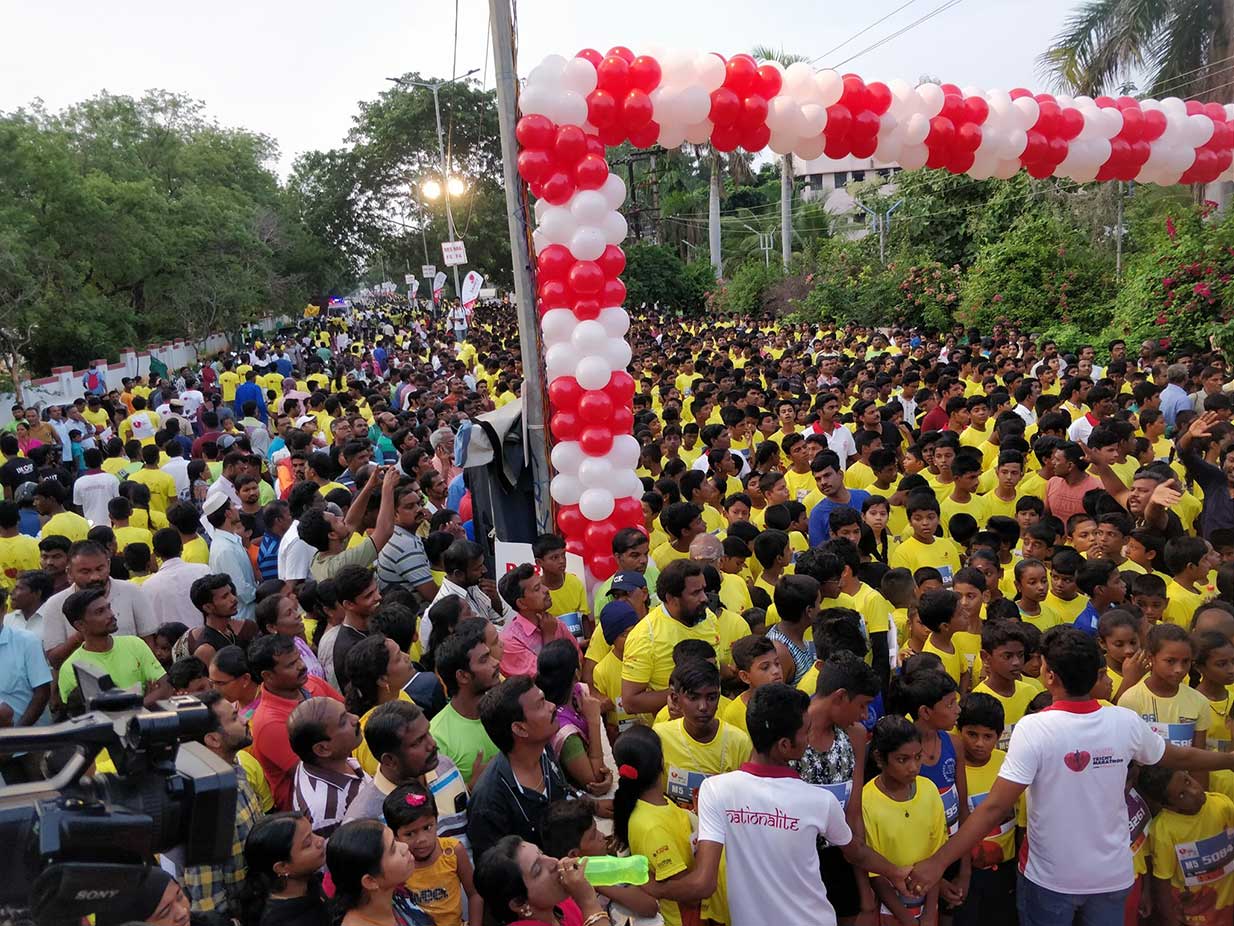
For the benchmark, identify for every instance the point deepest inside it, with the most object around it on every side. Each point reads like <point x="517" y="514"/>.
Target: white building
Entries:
<point x="827" y="179"/>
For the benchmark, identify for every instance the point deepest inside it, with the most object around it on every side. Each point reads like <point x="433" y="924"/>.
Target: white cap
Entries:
<point x="214" y="501"/>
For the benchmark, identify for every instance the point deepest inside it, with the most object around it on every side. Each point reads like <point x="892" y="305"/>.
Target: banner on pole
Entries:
<point x="413" y="287"/>
<point x="471" y="288"/>
<point x="409" y="278"/>
<point x="428" y="271"/>
<point x="453" y="253"/>
<point x="439" y="283"/>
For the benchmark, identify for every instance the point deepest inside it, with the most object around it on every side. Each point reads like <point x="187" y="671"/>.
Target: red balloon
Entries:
<point x="937" y="157"/>
<point x="570" y="520"/>
<point x="602" y="567"/>
<point x="591" y="55"/>
<point x="1070" y="123"/>
<point x="1205" y="162"/>
<point x="854" y="95"/>
<point x="590" y="173"/>
<point x="601" y="108"/>
<point x="725" y="107"/>
<point x="1019" y="92"/>
<point x="1127" y="102"/>
<point x="755" y="139"/>
<point x="646" y="136"/>
<point x="554" y="295"/>
<point x="586" y="310"/>
<point x="1141" y="151"/>
<point x="628" y="507"/>
<point x="879" y="96"/>
<point x="645" y="73"/>
<point x="836" y="148"/>
<point x="1154" y="124"/>
<point x="534" y="164"/>
<point x="613" y="75"/>
<point x="968" y="138"/>
<point x="1133" y="125"/>
<point x="864" y="147"/>
<point x="585" y="278"/>
<point x="725" y="138"/>
<point x="1058" y="150"/>
<point x="1223" y="136"/>
<point x="622" y="52"/>
<point x="620" y="388"/>
<point x="865" y="124"/>
<point x="753" y="112"/>
<point x="595" y="146"/>
<point x="536" y="187"/>
<point x="1040" y="170"/>
<point x="949" y="88"/>
<point x="534" y="131"/>
<point x="960" y="161"/>
<point x="953" y="107"/>
<point x="613" y="293"/>
<point x="553" y="263"/>
<point x="1194" y="108"/>
<point x="612" y="261"/>
<point x="598" y="537"/>
<point x="569" y="146"/>
<point x="1049" y="119"/>
<point x="564" y="426"/>
<point x="565" y="392"/>
<point x="1042" y="97"/>
<point x="1215" y="111"/>
<point x="575" y="545"/>
<point x="1036" y="150"/>
<point x="636" y="110"/>
<point x="558" y="188"/>
<point x="942" y="133"/>
<point x="1106" y="102"/>
<point x="613" y="135"/>
<point x="623" y="420"/>
<point x="839" y="121"/>
<point x="741" y="75"/>
<point x="596" y="440"/>
<point x="595" y="407"/>
<point x="769" y="81"/>
<point x="976" y="110"/>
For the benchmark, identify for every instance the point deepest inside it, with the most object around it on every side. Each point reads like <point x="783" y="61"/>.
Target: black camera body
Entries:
<point x="74" y="844"/>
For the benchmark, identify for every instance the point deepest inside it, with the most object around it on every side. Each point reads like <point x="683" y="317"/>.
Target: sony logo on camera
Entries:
<point x="95" y="895"/>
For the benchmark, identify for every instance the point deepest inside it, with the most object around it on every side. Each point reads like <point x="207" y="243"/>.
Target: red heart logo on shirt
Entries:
<point x="1077" y="761"/>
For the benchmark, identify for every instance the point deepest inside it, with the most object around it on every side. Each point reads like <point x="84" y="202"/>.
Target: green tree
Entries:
<point x="654" y="273"/>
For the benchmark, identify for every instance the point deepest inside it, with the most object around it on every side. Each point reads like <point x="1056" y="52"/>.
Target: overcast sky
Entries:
<point x="295" y="70"/>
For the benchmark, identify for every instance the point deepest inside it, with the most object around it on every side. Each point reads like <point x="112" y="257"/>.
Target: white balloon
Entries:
<point x="557" y="325"/>
<point x="695" y="104"/>
<point x="799" y="80"/>
<point x="829" y="87"/>
<point x="1229" y="114"/>
<point x="781" y="113"/>
<point x="595" y="472"/>
<point x="914" y="157"/>
<point x="810" y="148"/>
<point x="558" y="225"/>
<point x="676" y="68"/>
<point x="931" y="96"/>
<point x="561" y="354"/>
<point x="618" y="354"/>
<point x="900" y="88"/>
<point x="629" y="485"/>
<point x="698" y="133"/>
<point x="916" y="129"/>
<point x="551" y="68"/>
<point x="887" y="124"/>
<point x="588" y="207"/>
<point x="1007" y="169"/>
<point x="1173" y="105"/>
<point x="534" y="100"/>
<point x="592" y="372"/>
<point x="710" y="71"/>
<point x="565" y="489"/>
<point x="538" y="241"/>
<point x="587" y="243"/>
<point x="614" y="228"/>
<point x="579" y="75"/>
<point x="566" y="457"/>
<point x="1015" y="142"/>
<point x="589" y="337"/>
<point x="556" y="367"/>
<point x="596" y="504"/>
<point x="671" y="136"/>
<point x="1099" y="151"/>
<point x="539" y="208"/>
<point x="814" y="119"/>
<point x="625" y="452"/>
<point x="571" y="109"/>
<point x="889" y="147"/>
<point x="1199" y="130"/>
<point x="614" y="191"/>
<point x="615" y="319"/>
<point x="1029" y="111"/>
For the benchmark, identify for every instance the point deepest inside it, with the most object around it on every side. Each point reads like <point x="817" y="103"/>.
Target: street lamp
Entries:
<point x="435" y="86"/>
<point x="431" y="189"/>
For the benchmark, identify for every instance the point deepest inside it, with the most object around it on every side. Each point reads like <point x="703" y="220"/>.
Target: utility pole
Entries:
<point x="713" y="215"/>
<point x="441" y="150"/>
<point x="1118" y="228"/>
<point x="535" y="441"/>
<point x="766" y="240"/>
<point x="881" y="222"/>
<point x="786" y="209"/>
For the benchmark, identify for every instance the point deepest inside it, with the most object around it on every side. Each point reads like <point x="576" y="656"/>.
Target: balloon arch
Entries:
<point x="572" y="110"/>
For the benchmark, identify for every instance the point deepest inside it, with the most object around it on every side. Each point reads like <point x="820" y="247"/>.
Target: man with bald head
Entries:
<point x="707" y="549"/>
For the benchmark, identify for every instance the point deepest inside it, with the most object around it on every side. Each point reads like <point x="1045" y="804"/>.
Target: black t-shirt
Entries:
<point x="344" y="640"/>
<point x="16" y="471"/>
<point x="309" y="910"/>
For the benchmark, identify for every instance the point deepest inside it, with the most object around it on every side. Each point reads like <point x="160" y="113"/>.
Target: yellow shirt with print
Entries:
<point x="1015" y="706"/>
<point x="18" y="554"/>
<point x="649" y="647"/>
<point x="942" y="554"/>
<point x="980" y="779"/>
<point x="1200" y="888"/>
<point x="904" y="832"/>
<point x="228" y="381"/>
<point x="688" y="763"/>
<point x="664" y="833"/>
<point x="607" y="680"/>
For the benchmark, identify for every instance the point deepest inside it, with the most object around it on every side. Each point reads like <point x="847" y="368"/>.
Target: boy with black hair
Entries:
<point x="775" y="555"/>
<point x="845" y="524"/>
<point x="1003" y="649"/>
<point x="962" y="499"/>
<point x="682" y="522"/>
<point x="875" y="610"/>
<point x="936" y="611"/>
<point x="758" y="663"/>
<point x="923" y="548"/>
<point x="1184" y="559"/>
<point x="962" y="529"/>
<point x="991" y="887"/>
<point x="1148" y="593"/>
<point x="1146" y="547"/>
<point x="1039" y="542"/>
<point x="569" y="597"/>
<point x="1002" y="498"/>
<point x="1101" y="581"/>
<point x="1029" y="510"/>
<point x="796" y="600"/>
<point x="1064" y="598"/>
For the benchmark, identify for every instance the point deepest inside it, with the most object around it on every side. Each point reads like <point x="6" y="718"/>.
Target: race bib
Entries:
<point x="572" y="621"/>
<point x="1206" y="860"/>
<point x="1138" y="818"/>
<point x="683" y="786"/>
<point x="1177" y="734"/>
<point x="945" y="571"/>
<point x="951" y="806"/>
<point x="842" y="790"/>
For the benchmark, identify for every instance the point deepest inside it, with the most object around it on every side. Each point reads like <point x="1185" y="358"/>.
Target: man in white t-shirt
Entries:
<point x="1072" y="758"/>
<point x="767" y="821"/>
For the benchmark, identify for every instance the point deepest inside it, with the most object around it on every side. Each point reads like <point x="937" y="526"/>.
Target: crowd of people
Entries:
<point x="921" y="627"/>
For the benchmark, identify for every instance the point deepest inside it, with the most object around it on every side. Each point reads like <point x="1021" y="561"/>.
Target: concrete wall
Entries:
<point x="64" y="385"/>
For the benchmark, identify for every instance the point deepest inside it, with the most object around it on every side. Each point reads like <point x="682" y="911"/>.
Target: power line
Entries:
<point x="1182" y="80"/>
<point x="863" y="31"/>
<point x="914" y="24"/>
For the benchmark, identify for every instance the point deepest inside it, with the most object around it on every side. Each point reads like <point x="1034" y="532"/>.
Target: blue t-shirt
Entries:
<point x="820" y="528"/>
<point x="1087" y="619"/>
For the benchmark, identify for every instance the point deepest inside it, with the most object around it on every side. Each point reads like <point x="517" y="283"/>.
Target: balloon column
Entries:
<point x="572" y="110"/>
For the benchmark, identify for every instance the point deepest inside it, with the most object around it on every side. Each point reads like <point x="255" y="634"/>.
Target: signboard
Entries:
<point x="409" y="278"/>
<point x="428" y="271"/>
<point x="453" y="253"/>
<point x="471" y="288"/>
<point x="413" y="287"/>
<point x="508" y="555"/>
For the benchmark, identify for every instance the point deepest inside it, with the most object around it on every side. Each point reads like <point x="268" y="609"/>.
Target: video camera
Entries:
<point x="76" y="844"/>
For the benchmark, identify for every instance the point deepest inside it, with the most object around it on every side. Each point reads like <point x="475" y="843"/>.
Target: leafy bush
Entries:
<point x="654" y="273"/>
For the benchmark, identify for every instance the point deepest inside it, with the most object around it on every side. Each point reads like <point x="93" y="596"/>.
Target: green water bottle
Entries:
<point x="607" y="870"/>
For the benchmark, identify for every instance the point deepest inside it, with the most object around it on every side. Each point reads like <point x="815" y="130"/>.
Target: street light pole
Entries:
<point x="441" y="150"/>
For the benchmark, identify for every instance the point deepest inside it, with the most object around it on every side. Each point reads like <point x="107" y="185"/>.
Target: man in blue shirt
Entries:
<point x="1174" y="398"/>
<point x="1101" y="581"/>
<point x="249" y="391"/>
<point x="829" y="478"/>
<point x="25" y="687"/>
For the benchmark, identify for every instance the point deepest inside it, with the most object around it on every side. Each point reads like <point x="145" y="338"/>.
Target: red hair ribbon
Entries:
<point x="627" y="771"/>
<point x="415" y="800"/>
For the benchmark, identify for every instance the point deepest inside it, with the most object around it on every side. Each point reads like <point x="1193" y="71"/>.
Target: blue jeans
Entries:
<point x="1039" y="906"/>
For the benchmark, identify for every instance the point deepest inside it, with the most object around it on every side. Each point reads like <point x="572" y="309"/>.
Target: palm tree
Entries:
<point x="765" y="52"/>
<point x="1183" y="47"/>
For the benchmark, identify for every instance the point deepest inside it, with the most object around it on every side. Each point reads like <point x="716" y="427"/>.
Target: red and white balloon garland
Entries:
<point x="574" y="109"/>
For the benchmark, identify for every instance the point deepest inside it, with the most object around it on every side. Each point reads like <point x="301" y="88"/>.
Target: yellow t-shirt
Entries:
<point x="799" y="484"/>
<point x="257" y="779"/>
<point x="228" y="381"/>
<point x="942" y="554"/>
<point x="734" y="713"/>
<point x="1176" y="719"/>
<point x="904" y="832"/>
<point x="607" y="680"/>
<point x="18" y="554"/>
<point x="980" y="779"/>
<point x="1219" y="733"/>
<point x="1193" y="853"/>
<point x="858" y="475"/>
<point x="1067" y="611"/>
<point x="1180" y="604"/>
<point x="873" y="607"/>
<point x="688" y="763"/>
<point x="130" y="534"/>
<point x="954" y="663"/>
<point x="734" y="593"/>
<point x="1043" y="621"/>
<point x="161" y="485"/>
<point x="649" y="647"/>
<point x="975" y="506"/>
<point x="571" y="598"/>
<point x="65" y="524"/>
<point x="1014" y="707"/>
<point x="196" y="551"/>
<point x="665" y="834"/>
<point x="665" y="554"/>
<point x="996" y="507"/>
<point x="435" y="887"/>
